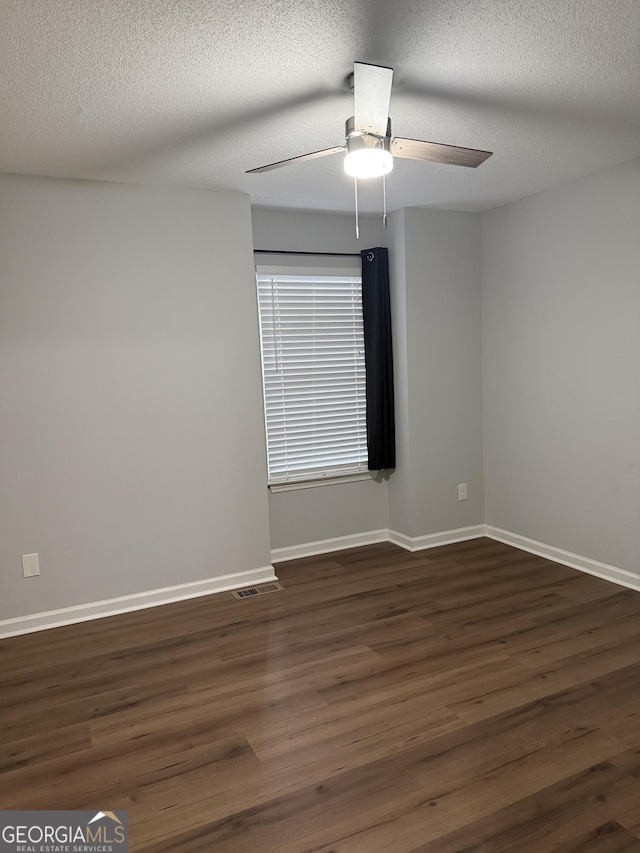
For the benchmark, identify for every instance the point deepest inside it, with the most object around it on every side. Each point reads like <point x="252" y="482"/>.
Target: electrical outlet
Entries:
<point x="30" y="565"/>
<point x="463" y="495"/>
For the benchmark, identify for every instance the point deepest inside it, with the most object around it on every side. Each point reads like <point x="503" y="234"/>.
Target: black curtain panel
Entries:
<point x="376" y="308"/>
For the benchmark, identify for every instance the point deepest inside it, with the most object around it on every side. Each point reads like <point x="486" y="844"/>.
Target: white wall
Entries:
<point x="131" y="432"/>
<point x="399" y="488"/>
<point x="561" y="345"/>
<point x="131" y="427"/>
<point x="437" y="339"/>
<point x="309" y="231"/>
<point x="312" y="515"/>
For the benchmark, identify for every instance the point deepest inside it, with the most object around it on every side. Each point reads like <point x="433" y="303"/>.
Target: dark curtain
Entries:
<point x="376" y="308"/>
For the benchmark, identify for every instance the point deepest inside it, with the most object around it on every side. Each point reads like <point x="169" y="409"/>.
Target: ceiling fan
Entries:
<point x="369" y="147"/>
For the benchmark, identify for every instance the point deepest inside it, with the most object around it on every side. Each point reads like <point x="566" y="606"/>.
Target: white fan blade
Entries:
<point x="372" y="93"/>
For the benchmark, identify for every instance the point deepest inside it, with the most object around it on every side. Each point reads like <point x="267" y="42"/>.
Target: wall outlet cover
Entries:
<point x="30" y="565"/>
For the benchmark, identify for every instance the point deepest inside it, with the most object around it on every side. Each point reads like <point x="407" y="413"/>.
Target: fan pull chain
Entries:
<point x="384" y="202"/>
<point x="355" y="184"/>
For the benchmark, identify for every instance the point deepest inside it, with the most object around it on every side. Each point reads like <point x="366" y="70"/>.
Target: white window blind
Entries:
<point x="313" y="373"/>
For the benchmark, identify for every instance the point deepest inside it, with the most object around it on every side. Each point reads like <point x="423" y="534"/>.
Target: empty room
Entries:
<point x="319" y="426"/>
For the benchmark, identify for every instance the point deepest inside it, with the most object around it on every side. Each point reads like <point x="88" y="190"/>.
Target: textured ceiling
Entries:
<point x="194" y="92"/>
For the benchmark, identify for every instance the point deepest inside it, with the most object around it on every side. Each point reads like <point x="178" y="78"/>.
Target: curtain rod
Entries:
<point x="324" y="254"/>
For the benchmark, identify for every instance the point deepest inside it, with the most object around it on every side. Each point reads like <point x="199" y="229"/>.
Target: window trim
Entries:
<point x="332" y="480"/>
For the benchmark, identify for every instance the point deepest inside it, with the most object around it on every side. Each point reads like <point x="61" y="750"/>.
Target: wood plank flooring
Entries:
<point x="470" y="697"/>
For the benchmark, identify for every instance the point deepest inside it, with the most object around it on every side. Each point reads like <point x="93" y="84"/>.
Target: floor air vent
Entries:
<point x="263" y="589"/>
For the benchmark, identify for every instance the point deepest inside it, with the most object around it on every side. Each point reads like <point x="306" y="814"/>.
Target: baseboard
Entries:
<point x="462" y="534"/>
<point x="137" y="601"/>
<point x="372" y="537"/>
<point x="325" y="546"/>
<point x="567" y="558"/>
<point x="167" y="595"/>
<point x="434" y="540"/>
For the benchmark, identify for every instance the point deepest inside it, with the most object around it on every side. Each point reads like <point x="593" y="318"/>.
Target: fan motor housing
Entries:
<point x="368" y="154"/>
<point x="359" y="139"/>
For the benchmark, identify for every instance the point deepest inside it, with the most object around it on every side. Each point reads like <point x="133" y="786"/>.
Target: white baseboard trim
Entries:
<point x="167" y="595"/>
<point x="137" y="601"/>
<point x="325" y="546"/>
<point x="567" y="558"/>
<point x="462" y="534"/>
<point x="372" y="537"/>
<point x="434" y="540"/>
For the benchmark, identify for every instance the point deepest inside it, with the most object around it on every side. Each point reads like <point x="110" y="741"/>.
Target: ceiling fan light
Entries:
<point x="368" y="163"/>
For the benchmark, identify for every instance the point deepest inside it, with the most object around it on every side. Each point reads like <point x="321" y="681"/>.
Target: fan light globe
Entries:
<point x="368" y="163"/>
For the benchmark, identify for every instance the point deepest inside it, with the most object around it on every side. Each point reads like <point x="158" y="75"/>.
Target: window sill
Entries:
<point x="293" y="485"/>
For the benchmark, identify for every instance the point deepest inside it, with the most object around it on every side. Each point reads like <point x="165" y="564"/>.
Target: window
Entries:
<point x="313" y="371"/>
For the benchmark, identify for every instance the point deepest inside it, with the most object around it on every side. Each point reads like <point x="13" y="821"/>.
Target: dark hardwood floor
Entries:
<point x="470" y="697"/>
